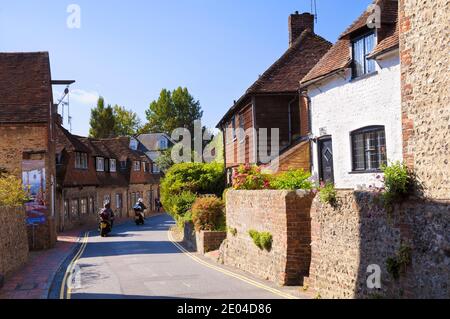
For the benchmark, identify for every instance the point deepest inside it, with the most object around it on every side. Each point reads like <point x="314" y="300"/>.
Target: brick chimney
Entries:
<point x="299" y="23"/>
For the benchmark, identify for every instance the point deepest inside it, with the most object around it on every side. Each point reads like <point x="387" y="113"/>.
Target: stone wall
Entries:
<point x="13" y="240"/>
<point x="424" y="38"/>
<point x="358" y="232"/>
<point x="288" y="220"/>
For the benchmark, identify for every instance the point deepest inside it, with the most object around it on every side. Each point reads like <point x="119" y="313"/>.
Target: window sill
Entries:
<point x="366" y="172"/>
<point x="362" y="77"/>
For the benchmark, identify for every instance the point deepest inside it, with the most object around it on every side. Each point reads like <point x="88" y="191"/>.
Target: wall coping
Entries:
<point x="301" y="193"/>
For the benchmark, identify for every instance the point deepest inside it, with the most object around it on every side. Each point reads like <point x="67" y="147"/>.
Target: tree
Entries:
<point x="173" y="109"/>
<point x="102" y="121"/>
<point x="127" y="121"/>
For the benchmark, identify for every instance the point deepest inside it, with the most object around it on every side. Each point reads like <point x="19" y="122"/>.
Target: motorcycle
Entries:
<point x="105" y="226"/>
<point x="139" y="217"/>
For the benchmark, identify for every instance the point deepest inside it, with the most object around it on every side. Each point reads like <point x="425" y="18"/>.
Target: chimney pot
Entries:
<point x="299" y="23"/>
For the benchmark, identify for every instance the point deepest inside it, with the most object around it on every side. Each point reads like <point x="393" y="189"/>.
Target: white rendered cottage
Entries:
<point x="355" y="103"/>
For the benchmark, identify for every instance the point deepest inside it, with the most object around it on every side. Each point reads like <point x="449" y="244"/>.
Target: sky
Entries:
<point x="127" y="51"/>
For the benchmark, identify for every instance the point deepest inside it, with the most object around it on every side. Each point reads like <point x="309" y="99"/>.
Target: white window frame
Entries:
<point x="81" y="160"/>
<point x="100" y="161"/>
<point x="156" y="169"/>
<point x="163" y="143"/>
<point x="113" y="165"/>
<point x="137" y="166"/>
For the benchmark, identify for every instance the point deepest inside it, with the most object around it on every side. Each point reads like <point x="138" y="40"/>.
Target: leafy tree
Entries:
<point x="185" y="179"/>
<point x="173" y="109"/>
<point x="102" y="121"/>
<point x="127" y="122"/>
<point x="12" y="192"/>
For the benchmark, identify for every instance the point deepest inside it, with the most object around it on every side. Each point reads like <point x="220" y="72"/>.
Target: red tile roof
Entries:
<point x="339" y="56"/>
<point x="25" y="87"/>
<point x="284" y="75"/>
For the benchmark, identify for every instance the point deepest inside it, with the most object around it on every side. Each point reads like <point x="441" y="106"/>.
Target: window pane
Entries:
<point x="369" y="46"/>
<point x="358" y="57"/>
<point x="358" y="152"/>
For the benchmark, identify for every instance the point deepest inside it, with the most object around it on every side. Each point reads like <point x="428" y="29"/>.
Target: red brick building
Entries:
<point x="27" y="137"/>
<point x="92" y="171"/>
<point x="274" y="102"/>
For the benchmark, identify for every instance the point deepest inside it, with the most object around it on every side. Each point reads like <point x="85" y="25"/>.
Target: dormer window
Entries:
<point x="362" y="47"/>
<point x="163" y="144"/>
<point x="100" y="164"/>
<point x="81" y="160"/>
<point x="112" y="165"/>
<point x="134" y="144"/>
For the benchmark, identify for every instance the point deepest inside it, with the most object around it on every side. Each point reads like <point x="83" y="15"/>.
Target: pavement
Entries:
<point x="33" y="281"/>
<point x="143" y="262"/>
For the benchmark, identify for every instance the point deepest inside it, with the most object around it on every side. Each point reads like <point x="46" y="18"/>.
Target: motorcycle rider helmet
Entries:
<point x="140" y="200"/>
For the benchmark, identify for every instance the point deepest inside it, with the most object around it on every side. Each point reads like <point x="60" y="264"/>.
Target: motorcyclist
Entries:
<point x="140" y="203"/>
<point x="139" y="209"/>
<point x="107" y="214"/>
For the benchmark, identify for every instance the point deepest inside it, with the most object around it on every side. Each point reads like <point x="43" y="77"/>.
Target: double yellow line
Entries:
<point x="229" y="273"/>
<point x="65" y="285"/>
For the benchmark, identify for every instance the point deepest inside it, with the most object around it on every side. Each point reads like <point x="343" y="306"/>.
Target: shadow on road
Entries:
<point x="102" y="247"/>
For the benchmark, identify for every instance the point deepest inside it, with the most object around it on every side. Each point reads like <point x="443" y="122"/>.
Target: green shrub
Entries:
<point x="184" y="182"/>
<point x="292" y="180"/>
<point x="262" y="240"/>
<point x="12" y="193"/>
<point x="396" y="178"/>
<point x="250" y="177"/>
<point x="179" y="204"/>
<point x="398" y="264"/>
<point x="397" y="183"/>
<point x="328" y="194"/>
<point x="207" y="214"/>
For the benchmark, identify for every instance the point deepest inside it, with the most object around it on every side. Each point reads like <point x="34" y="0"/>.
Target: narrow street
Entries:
<point x="143" y="263"/>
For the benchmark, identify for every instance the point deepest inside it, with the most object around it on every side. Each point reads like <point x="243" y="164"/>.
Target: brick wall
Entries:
<point x="424" y="38"/>
<point x="358" y="233"/>
<point x="13" y="240"/>
<point x="288" y="221"/>
<point x="17" y="140"/>
<point x="208" y="241"/>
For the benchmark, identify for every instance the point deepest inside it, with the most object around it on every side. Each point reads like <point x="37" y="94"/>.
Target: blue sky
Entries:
<point x="127" y="51"/>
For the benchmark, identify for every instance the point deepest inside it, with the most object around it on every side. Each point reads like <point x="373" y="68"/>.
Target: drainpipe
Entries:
<point x="290" y="119"/>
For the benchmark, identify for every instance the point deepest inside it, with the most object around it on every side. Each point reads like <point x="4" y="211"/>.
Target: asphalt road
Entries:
<point x="142" y="263"/>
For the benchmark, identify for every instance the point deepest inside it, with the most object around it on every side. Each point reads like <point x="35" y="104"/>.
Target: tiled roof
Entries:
<point x="25" y="87"/>
<point x="65" y="140"/>
<point x="284" y="75"/>
<point x="391" y="41"/>
<point x="151" y="141"/>
<point x="339" y="56"/>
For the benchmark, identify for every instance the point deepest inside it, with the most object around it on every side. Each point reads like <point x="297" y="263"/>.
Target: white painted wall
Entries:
<point x="342" y="105"/>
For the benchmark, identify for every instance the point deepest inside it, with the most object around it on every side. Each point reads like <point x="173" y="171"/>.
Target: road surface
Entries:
<point x="143" y="263"/>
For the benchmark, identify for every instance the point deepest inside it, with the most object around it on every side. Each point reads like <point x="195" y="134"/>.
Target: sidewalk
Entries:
<point x="34" y="280"/>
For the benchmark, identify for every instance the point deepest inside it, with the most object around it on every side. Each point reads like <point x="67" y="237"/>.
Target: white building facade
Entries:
<point x="355" y="111"/>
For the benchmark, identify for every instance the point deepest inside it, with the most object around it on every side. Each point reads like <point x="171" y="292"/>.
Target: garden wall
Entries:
<point x="284" y="214"/>
<point x="13" y="239"/>
<point x="358" y="232"/>
<point x="204" y="241"/>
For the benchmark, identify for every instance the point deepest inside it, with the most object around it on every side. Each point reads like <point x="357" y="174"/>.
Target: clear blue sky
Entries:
<point x="128" y="51"/>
